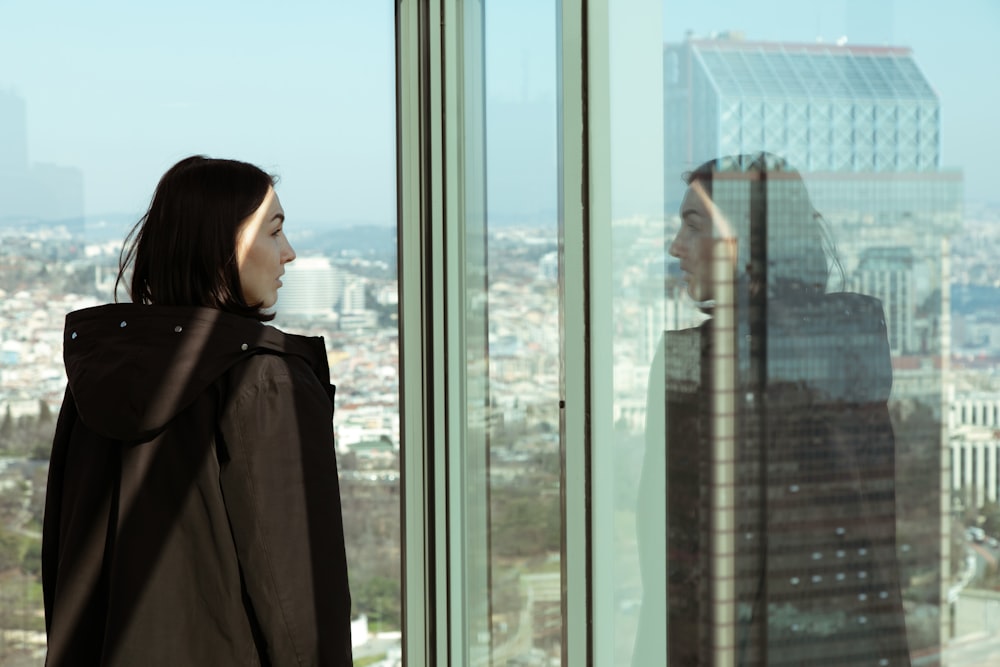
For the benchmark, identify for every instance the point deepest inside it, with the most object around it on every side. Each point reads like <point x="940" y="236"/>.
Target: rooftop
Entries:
<point x="818" y="70"/>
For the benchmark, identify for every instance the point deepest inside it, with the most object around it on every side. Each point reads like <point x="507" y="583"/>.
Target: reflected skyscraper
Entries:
<point x="862" y="126"/>
<point x="887" y="273"/>
<point x="825" y="108"/>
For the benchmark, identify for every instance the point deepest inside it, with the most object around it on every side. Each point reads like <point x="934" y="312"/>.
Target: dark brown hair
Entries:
<point x="801" y="253"/>
<point x="182" y="252"/>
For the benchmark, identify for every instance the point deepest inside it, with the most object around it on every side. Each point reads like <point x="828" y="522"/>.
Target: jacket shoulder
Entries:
<point x="269" y="372"/>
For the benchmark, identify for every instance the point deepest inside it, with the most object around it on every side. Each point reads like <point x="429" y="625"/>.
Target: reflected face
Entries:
<point x="693" y="243"/>
<point x="262" y="252"/>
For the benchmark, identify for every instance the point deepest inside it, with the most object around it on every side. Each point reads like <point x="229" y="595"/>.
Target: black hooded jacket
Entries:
<point x="193" y="508"/>
<point x="813" y="543"/>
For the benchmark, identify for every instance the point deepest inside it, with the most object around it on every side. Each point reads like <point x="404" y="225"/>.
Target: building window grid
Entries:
<point x="988" y="491"/>
<point x="996" y="472"/>
<point x="955" y="482"/>
<point x="854" y="72"/>
<point x="964" y="474"/>
<point x="874" y="127"/>
<point x="974" y="476"/>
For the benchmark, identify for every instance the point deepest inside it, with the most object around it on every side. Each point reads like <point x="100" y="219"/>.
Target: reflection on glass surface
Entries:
<point x="817" y="479"/>
<point x="780" y="453"/>
<point x="136" y="88"/>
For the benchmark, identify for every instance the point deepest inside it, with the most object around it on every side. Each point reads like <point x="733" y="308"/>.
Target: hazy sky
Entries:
<point x="122" y="89"/>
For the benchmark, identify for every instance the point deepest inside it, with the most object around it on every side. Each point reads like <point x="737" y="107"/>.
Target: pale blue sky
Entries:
<point x="122" y="89"/>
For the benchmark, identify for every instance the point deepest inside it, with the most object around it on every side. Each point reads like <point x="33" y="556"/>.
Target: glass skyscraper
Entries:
<point x="823" y="496"/>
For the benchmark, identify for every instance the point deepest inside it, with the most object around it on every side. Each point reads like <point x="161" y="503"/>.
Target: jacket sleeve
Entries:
<point x="53" y="504"/>
<point x="279" y="479"/>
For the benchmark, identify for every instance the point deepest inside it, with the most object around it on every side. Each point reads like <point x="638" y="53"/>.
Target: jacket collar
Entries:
<point x="132" y="368"/>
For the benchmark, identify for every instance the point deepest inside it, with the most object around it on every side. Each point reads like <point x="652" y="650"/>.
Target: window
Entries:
<point x="859" y="121"/>
<point x="101" y="102"/>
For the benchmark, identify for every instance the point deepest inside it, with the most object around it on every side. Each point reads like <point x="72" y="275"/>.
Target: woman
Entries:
<point x="800" y="560"/>
<point x="193" y="507"/>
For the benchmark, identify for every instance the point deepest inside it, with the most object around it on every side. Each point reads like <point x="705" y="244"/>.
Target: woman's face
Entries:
<point x="693" y="243"/>
<point x="262" y="252"/>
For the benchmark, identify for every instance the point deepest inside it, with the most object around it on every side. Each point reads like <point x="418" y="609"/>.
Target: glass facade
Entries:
<point x="679" y="346"/>
<point x="824" y="107"/>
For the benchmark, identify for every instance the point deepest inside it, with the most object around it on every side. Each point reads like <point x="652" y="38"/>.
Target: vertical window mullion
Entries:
<point x="601" y="345"/>
<point x="417" y="312"/>
<point x="574" y="335"/>
<point x="465" y="334"/>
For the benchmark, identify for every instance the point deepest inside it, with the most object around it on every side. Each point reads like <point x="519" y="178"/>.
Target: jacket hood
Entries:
<point x="132" y="368"/>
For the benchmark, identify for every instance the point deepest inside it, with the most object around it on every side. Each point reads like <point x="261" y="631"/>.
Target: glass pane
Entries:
<point x="630" y="491"/>
<point x="95" y="104"/>
<point x="512" y="436"/>
<point x="803" y="466"/>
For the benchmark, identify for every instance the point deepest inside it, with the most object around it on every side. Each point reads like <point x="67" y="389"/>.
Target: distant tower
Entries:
<point x="309" y="288"/>
<point x="13" y="155"/>
<point x="887" y="274"/>
<point x="354" y="299"/>
<point x="39" y="191"/>
<point x="548" y="267"/>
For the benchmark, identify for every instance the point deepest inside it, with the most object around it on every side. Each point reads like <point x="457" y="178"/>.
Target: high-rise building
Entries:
<point x="309" y="288"/>
<point x="32" y="190"/>
<point x="974" y="422"/>
<point x="862" y="126"/>
<point x="355" y="298"/>
<point x="861" y="123"/>
<point x="975" y="464"/>
<point x="887" y="274"/>
<point x="14" y="156"/>
<point x="823" y="107"/>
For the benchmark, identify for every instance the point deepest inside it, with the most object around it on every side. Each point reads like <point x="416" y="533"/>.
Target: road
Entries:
<point x="974" y="651"/>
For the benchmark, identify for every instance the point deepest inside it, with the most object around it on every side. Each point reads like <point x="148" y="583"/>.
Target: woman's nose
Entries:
<point x="676" y="246"/>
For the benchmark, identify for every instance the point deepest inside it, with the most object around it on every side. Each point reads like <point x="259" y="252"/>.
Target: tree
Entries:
<point x="525" y="522"/>
<point x="379" y="599"/>
<point x="7" y="427"/>
<point x="11" y="551"/>
<point x="44" y="412"/>
<point x="32" y="561"/>
<point x="991" y="518"/>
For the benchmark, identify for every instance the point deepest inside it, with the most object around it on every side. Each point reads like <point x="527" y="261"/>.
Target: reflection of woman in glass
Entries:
<point x="809" y="539"/>
<point x="192" y="514"/>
